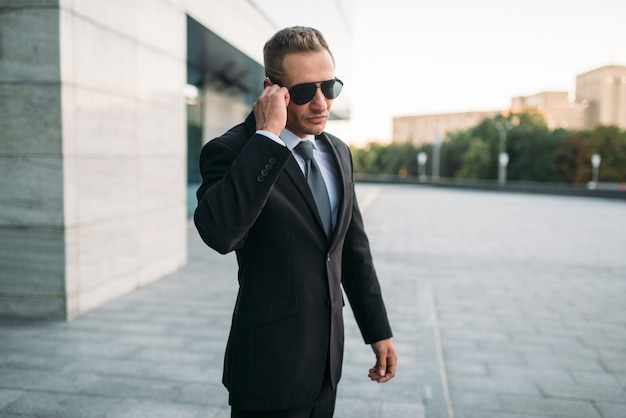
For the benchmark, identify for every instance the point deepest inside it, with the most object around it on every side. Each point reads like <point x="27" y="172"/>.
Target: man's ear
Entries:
<point x="267" y="82"/>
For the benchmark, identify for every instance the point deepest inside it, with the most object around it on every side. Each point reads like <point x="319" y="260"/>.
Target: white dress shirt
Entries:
<point x="324" y="158"/>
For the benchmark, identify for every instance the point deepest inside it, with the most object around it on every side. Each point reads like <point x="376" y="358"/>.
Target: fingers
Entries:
<point x="390" y="367"/>
<point x="376" y="376"/>
<point x="386" y="361"/>
<point x="381" y="364"/>
<point x="270" y="109"/>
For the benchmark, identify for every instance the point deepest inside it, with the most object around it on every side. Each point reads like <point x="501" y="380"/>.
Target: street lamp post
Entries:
<point x="595" y="165"/>
<point x="422" y="157"/>
<point x="503" y="157"/>
<point x="436" y="157"/>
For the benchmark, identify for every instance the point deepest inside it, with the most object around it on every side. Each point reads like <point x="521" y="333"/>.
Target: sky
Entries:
<point x="412" y="57"/>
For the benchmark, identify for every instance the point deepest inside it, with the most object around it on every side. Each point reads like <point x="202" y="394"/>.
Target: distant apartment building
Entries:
<point x="423" y="129"/>
<point x="600" y="99"/>
<point x="554" y="106"/>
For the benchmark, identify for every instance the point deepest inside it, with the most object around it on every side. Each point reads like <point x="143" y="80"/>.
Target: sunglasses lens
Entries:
<point x="332" y="88"/>
<point x="303" y="93"/>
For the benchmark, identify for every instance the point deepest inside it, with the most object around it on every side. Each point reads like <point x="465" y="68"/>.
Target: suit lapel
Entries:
<point x="343" y="169"/>
<point x="295" y="173"/>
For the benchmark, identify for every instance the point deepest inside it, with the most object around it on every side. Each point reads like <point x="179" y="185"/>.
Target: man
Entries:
<point x="295" y="246"/>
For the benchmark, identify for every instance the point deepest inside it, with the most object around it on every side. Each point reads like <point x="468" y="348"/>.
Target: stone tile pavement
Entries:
<point x="503" y="305"/>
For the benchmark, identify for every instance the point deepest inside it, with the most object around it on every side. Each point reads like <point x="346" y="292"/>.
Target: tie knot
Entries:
<point x="305" y="149"/>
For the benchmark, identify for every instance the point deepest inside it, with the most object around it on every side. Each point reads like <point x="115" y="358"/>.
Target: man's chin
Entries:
<point x="316" y="129"/>
<point x="308" y="130"/>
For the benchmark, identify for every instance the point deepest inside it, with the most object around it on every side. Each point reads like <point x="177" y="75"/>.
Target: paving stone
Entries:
<point x="562" y="361"/>
<point x="8" y="396"/>
<point x="474" y="400"/>
<point x="621" y="379"/>
<point x="548" y="407"/>
<point x="463" y="368"/>
<point x="613" y="410"/>
<point x="481" y="413"/>
<point x="214" y="394"/>
<point x="128" y="387"/>
<point x="599" y="379"/>
<point x="614" y="362"/>
<point x="611" y="392"/>
<point x="44" y="380"/>
<point x="508" y="385"/>
<point x="149" y="409"/>
<point x="61" y="405"/>
<point x="350" y="408"/>
<point x="531" y="374"/>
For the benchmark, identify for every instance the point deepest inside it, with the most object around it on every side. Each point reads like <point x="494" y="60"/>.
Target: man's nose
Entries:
<point x="319" y="101"/>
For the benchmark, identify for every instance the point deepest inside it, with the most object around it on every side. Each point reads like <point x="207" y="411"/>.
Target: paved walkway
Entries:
<point x="503" y="305"/>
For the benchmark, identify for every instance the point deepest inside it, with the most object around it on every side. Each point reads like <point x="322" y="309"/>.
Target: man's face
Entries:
<point x="306" y="67"/>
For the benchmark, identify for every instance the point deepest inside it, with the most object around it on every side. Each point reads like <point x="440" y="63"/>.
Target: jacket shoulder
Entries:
<point x="235" y="138"/>
<point x="335" y="140"/>
<point x="341" y="148"/>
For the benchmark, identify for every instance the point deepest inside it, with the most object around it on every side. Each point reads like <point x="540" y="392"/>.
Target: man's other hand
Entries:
<point x="386" y="361"/>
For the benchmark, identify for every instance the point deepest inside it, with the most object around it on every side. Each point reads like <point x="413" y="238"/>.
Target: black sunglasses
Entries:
<point x="304" y="93"/>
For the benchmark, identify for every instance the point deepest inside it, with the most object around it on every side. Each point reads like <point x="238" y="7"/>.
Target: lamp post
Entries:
<point x="595" y="165"/>
<point x="436" y="156"/>
<point x="503" y="157"/>
<point x="422" y="157"/>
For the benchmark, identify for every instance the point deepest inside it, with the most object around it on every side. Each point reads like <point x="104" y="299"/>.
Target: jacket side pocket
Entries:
<point x="266" y="313"/>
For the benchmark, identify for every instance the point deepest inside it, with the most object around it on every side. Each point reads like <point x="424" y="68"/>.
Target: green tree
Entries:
<point x="532" y="155"/>
<point x="402" y="159"/>
<point x="610" y="143"/>
<point x="570" y="158"/>
<point x="366" y="160"/>
<point x="535" y="153"/>
<point x="392" y="159"/>
<point x="452" y="151"/>
<point x="475" y="161"/>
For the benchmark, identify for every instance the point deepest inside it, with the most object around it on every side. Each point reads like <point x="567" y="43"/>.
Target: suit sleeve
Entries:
<point x="360" y="282"/>
<point x="236" y="183"/>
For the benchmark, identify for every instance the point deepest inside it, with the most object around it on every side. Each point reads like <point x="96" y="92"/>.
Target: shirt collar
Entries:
<point x="291" y="140"/>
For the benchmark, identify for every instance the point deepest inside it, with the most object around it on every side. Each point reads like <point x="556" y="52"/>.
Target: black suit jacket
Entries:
<point x="287" y="320"/>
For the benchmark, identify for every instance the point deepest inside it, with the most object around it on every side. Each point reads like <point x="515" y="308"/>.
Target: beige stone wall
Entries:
<point x="93" y="148"/>
<point x="124" y="126"/>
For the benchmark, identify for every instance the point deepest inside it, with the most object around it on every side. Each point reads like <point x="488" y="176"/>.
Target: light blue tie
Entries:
<point x="316" y="184"/>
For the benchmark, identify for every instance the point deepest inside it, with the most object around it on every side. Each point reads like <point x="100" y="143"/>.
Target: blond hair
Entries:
<point x="287" y="41"/>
